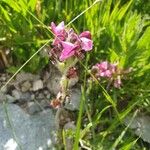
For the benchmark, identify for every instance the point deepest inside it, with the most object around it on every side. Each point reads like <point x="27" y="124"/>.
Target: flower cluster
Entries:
<point x="108" y="71"/>
<point x="67" y="46"/>
<point x="67" y="43"/>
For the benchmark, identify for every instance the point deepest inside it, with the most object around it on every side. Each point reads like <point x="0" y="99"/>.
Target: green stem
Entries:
<point x="64" y="86"/>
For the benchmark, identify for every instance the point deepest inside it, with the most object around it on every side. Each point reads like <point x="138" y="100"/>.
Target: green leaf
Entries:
<point x="32" y="4"/>
<point x="124" y="9"/>
<point x="5" y="13"/>
<point x="13" y="5"/>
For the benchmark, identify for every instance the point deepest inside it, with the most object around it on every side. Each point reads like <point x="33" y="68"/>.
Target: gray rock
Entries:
<point x="44" y="103"/>
<point x="16" y="94"/>
<point x="40" y="96"/>
<point x="32" y="96"/>
<point x="4" y="89"/>
<point x="2" y="97"/>
<point x="21" y="77"/>
<point x="53" y="84"/>
<point x="141" y="126"/>
<point x="25" y="96"/>
<point x="37" y="85"/>
<point x="10" y="99"/>
<point x="70" y="125"/>
<point x="47" y="94"/>
<point x="3" y="78"/>
<point x="33" y="108"/>
<point x="31" y="132"/>
<point x="74" y="100"/>
<point x="52" y="79"/>
<point x="26" y="86"/>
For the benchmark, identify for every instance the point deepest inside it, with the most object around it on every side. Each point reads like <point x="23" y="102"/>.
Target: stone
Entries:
<point x="53" y="82"/>
<point x="140" y="124"/>
<point x="44" y="103"/>
<point x="33" y="108"/>
<point x="48" y="96"/>
<point x="22" y="76"/>
<point x="26" y="86"/>
<point x="4" y="89"/>
<point x="62" y="117"/>
<point x="32" y="96"/>
<point x="32" y="132"/>
<point x="25" y="97"/>
<point x="40" y="96"/>
<point x="54" y="85"/>
<point x="3" y="78"/>
<point x="73" y="103"/>
<point x="37" y="85"/>
<point x="10" y="99"/>
<point x="46" y="93"/>
<point x="16" y="94"/>
<point x="2" y="97"/>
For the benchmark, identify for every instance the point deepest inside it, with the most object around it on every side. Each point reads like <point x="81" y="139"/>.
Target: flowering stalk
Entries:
<point x="109" y="71"/>
<point x="67" y="48"/>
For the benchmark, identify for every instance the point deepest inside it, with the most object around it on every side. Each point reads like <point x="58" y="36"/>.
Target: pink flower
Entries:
<point x="68" y="50"/>
<point x="69" y="43"/>
<point x="85" y="34"/>
<point x="103" y="65"/>
<point x="86" y="42"/>
<point x="59" y="32"/>
<point x="108" y="71"/>
<point x="59" y="29"/>
<point x="104" y="69"/>
<point x="73" y="49"/>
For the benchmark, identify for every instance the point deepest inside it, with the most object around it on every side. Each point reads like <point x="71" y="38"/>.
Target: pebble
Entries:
<point x="4" y="89"/>
<point x="10" y="99"/>
<point x="37" y="85"/>
<point x="32" y="96"/>
<point x="53" y="85"/>
<point x="16" y="94"/>
<point x="26" y="96"/>
<point x="48" y="96"/>
<point x="2" y="97"/>
<point x="25" y="86"/>
<point x="46" y="92"/>
<point x="40" y="96"/>
<point x="21" y="77"/>
<point x="33" y="108"/>
<point x="43" y="103"/>
<point x="3" y="78"/>
<point x="74" y="100"/>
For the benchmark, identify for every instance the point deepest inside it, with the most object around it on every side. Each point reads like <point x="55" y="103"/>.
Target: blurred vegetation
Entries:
<point x="121" y="33"/>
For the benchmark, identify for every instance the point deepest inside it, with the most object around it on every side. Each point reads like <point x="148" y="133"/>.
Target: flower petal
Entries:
<point x="58" y="39"/>
<point x="86" y="44"/>
<point x="108" y="73"/>
<point x="68" y="50"/>
<point x="57" y="29"/>
<point x="103" y="66"/>
<point x="85" y="34"/>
